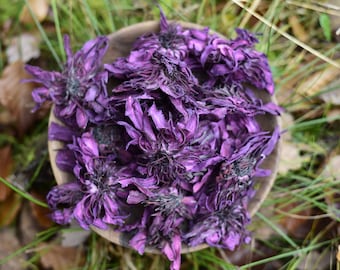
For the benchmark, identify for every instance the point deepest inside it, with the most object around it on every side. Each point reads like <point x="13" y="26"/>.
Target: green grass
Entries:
<point x="23" y="193"/>
<point x="84" y="19"/>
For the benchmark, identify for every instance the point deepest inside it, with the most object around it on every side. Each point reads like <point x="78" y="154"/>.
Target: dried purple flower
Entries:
<point x="169" y="42"/>
<point x="62" y="200"/>
<point x="234" y="61"/>
<point x="79" y="90"/>
<point x="223" y="228"/>
<point x="170" y="156"/>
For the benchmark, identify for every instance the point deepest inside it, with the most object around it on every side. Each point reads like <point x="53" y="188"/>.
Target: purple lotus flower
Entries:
<point x="79" y="90"/>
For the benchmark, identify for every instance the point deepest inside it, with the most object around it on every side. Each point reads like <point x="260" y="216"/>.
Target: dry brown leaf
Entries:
<point x="287" y="93"/>
<point x="298" y="29"/>
<point x="333" y="113"/>
<point x="60" y="258"/>
<point x="4" y="192"/>
<point x="261" y="230"/>
<point x="332" y="96"/>
<point x="23" y="47"/>
<point x="318" y="81"/>
<point x="338" y="254"/>
<point x="331" y="173"/>
<point x="41" y="214"/>
<point x="290" y="158"/>
<point x="331" y="170"/>
<point x="249" y="253"/>
<point x="9" y="244"/>
<point x="16" y="96"/>
<point x="315" y="260"/>
<point x="28" y="227"/>
<point x="9" y="209"/>
<point x="38" y="7"/>
<point x="5" y="169"/>
<point x="294" y="226"/>
<point x="6" y="118"/>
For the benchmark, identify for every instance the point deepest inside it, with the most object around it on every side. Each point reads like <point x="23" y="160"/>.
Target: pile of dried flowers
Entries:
<point x="169" y="152"/>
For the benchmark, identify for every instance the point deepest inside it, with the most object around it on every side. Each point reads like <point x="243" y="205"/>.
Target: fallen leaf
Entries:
<point x="245" y="254"/>
<point x="333" y="113"/>
<point x="23" y="47"/>
<point x="16" y="97"/>
<point x="9" y="244"/>
<point x="6" y="118"/>
<point x="5" y="169"/>
<point x="9" y="209"/>
<point x="56" y="257"/>
<point x="286" y="94"/>
<point x="4" y="192"/>
<point x="260" y="230"/>
<point x="38" y="7"/>
<point x="27" y="227"/>
<point x="290" y="158"/>
<point x="332" y="197"/>
<point x="314" y="84"/>
<point x="291" y="223"/>
<point x="41" y="214"/>
<point x="297" y="28"/>
<point x="331" y="170"/>
<point x="338" y="254"/>
<point x="333" y="95"/>
<point x="314" y="258"/>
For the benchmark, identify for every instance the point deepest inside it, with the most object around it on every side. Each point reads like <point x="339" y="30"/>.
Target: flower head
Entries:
<point x="223" y="228"/>
<point x="62" y="200"/>
<point x="79" y="90"/>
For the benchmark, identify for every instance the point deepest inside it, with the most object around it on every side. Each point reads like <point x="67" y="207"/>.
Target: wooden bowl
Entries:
<point x="120" y="44"/>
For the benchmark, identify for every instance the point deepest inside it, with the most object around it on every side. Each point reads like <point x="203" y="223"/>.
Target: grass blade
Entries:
<point x="41" y="237"/>
<point x="297" y="252"/>
<point x="288" y="36"/>
<point x="278" y="230"/>
<point x="58" y="30"/>
<point x="44" y="36"/>
<point x="23" y="193"/>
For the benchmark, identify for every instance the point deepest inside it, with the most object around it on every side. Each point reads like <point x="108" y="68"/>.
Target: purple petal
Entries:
<point x="82" y="118"/>
<point x="232" y="240"/>
<point x="65" y="160"/>
<point x="158" y="117"/>
<point x="134" y="111"/>
<point x="164" y="25"/>
<point x="138" y="242"/>
<point x="91" y="94"/>
<point x="67" y="48"/>
<point x="219" y="70"/>
<point x="135" y="197"/>
<point x="88" y="144"/>
<point x="60" y="133"/>
<point x="173" y="252"/>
